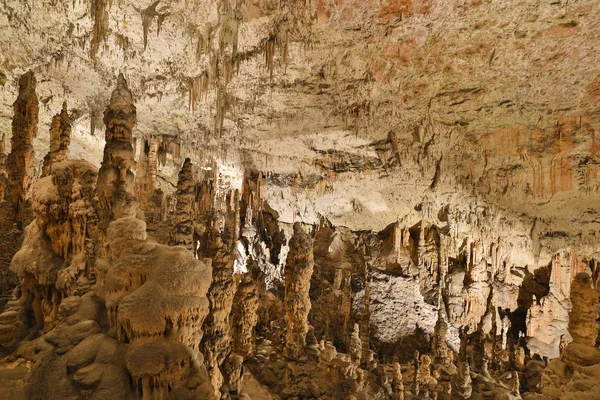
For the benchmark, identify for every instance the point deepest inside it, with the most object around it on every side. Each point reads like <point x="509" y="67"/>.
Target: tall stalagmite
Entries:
<point x="298" y="271"/>
<point x="244" y="313"/>
<point x="3" y="174"/>
<point x="183" y="227"/>
<point x="582" y="320"/>
<point x="216" y="341"/>
<point x="20" y="162"/>
<point x="115" y="189"/>
<point x="60" y="139"/>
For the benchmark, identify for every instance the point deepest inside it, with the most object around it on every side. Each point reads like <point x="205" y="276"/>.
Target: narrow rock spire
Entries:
<point x="298" y="271"/>
<point x="20" y="162"/>
<point x="60" y="139"/>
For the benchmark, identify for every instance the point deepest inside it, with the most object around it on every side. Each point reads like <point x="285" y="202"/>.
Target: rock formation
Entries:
<point x="244" y="314"/>
<point x="216" y="344"/>
<point x="183" y="228"/>
<point x="115" y="188"/>
<point x="60" y="139"/>
<point x="584" y="299"/>
<point x="20" y="162"/>
<point x="298" y="271"/>
<point x="449" y="177"/>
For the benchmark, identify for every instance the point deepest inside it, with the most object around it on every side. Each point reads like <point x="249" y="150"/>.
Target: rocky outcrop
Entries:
<point x="298" y="271"/>
<point x="60" y="139"/>
<point x="20" y="162"/>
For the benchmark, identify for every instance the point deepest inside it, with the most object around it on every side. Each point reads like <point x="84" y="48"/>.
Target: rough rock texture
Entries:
<point x="244" y="314"/>
<point x="298" y="271"/>
<point x="183" y="228"/>
<point x="448" y="171"/>
<point x="115" y="188"/>
<point x="21" y="159"/>
<point x="60" y="139"/>
<point x="216" y="344"/>
<point x="582" y="320"/>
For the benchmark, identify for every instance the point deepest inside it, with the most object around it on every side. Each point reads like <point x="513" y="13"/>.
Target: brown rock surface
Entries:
<point x="298" y="271"/>
<point x="60" y="138"/>
<point x="20" y="161"/>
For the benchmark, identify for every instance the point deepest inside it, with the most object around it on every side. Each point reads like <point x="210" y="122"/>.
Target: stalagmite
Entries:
<point x="516" y="387"/>
<point x="463" y="384"/>
<point x="183" y="229"/>
<point x="439" y="345"/>
<point x="3" y="173"/>
<point x="397" y="382"/>
<point x="20" y="162"/>
<point x="216" y="343"/>
<point x="115" y="188"/>
<point x="298" y="271"/>
<point x="244" y="314"/>
<point x="355" y="348"/>
<point x="60" y="139"/>
<point x="582" y="321"/>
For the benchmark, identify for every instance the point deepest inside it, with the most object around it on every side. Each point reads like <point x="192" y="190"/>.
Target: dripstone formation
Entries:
<point x="300" y="200"/>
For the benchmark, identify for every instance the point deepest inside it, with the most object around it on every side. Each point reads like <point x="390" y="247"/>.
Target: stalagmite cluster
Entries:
<point x="333" y="200"/>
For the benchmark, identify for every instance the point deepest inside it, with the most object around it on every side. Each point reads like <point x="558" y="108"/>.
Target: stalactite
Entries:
<point x="198" y="90"/>
<point x="99" y="15"/>
<point x="270" y="55"/>
<point x="148" y="15"/>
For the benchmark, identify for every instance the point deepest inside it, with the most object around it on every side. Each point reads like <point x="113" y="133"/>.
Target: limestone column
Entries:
<point x="298" y="271"/>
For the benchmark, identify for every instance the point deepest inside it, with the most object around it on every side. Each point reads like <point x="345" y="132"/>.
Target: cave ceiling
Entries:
<point x="362" y="111"/>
